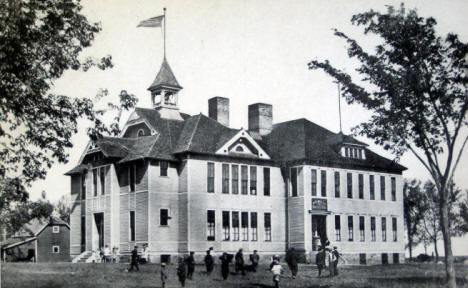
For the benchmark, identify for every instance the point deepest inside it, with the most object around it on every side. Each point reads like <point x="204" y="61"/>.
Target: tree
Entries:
<point x="415" y="208"/>
<point x="463" y="224"/>
<point x="62" y="207"/>
<point x="415" y="85"/>
<point x="39" y="40"/>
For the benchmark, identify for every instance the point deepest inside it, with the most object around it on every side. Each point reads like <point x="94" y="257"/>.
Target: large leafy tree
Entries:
<point x="39" y="40"/>
<point x="415" y="84"/>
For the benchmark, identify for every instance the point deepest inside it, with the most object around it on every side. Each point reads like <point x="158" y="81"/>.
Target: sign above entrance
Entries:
<point x="319" y="204"/>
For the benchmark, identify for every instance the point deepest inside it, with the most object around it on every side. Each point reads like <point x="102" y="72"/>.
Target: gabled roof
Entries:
<point x="165" y="78"/>
<point x="35" y="226"/>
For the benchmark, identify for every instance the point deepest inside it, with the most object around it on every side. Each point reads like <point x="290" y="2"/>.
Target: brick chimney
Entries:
<point x="260" y="118"/>
<point x="218" y="109"/>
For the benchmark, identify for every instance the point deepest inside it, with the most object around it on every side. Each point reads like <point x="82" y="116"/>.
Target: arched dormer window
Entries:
<point x="141" y="133"/>
<point x="239" y="149"/>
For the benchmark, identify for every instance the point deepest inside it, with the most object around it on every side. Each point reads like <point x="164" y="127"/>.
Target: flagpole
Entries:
<point x="164" y="33"/>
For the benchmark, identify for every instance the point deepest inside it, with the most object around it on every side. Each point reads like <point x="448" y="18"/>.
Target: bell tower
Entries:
<point x="164" y="93"/>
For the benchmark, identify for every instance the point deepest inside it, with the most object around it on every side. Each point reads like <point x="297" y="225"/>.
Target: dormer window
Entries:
<point x="239" y="149"/>
<point x="354" y="152"/>
<point x="141" y="133"/>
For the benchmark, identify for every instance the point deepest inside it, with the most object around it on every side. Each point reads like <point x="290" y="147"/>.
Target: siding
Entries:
<point x="47" y="239"/>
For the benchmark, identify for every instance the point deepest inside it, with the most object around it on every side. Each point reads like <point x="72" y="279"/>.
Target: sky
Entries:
<point x="247" y="51"/>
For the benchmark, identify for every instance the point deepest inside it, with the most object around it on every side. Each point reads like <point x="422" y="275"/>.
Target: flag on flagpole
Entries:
<point x="152" y="22"/>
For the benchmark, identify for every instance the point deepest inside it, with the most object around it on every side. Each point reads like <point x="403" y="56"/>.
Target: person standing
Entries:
<point x="277" y="270"/>
<point x="190" y="265"/>
<point x="163" y="275"/>
<point x="181" y="271"/>
<point x="225" y="265"/>
<point x="239" y="262"/>
<point x="335" y="257"/>
<point x="320" y="260"/>
<point x="254" y="258"/>
<point x="209" y="262"/>
<point x="291" y="259"/>
<point x="134" y="259"/>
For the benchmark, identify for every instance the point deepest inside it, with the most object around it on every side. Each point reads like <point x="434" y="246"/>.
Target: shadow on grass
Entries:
<point x="418" y="280"/>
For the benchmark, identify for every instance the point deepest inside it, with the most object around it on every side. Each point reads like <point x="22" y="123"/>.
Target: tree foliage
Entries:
<point x="63" y="209"/>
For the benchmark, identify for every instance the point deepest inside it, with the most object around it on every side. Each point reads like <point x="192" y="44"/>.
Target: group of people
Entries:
<point x="105" y="255"/>
<point x="327" y="258"/>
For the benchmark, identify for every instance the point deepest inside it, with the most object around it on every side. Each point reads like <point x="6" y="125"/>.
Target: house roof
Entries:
<point x="165" y="78"/>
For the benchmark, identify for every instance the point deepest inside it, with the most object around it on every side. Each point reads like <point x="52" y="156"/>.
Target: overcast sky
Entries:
<point x="248" y="51"/>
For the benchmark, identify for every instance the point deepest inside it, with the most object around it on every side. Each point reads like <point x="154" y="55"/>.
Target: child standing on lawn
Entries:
<point x="277" y="270"/>
<point x="163" y="275"/>
<point x="181" y="272"/>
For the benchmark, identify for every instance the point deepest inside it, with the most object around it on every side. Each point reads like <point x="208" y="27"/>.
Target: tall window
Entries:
<point x="372" y="228"/>
<point x="163" y="168"/>
<point x="266" y="181"/>
<point x="393" y="188"/>
<point x="323" y="183"/>
<point x="95" y="181"/>
<point x="349" y="178"/>
<point x="384" y="229"/>
<point x="235" y="179"/>
<point x="132" y="176"/>
<point x="267" y="225"/>
<point x="132" y="226"/>
<point x="372" y="187"/>
<point x="102" y="177"/>
<point x="382" y="187"/>
<point x="253" y="180"/>
<point x="253" y="225"/>
<point x="337" y="228"/>
<point x="362" y="236"/>
<point x="337" y="184"/>
<point x="313" y="182"/>
<point x="350" y="228"/>
<point x="210" y="225"/>
<point x="235" y="226"/>
<point x="361" y="186"/>
<point x="394" y="229"/>
<point x="245" y="226"/>
<point x="293" y="182"/>
<point x="226" y="226"/>
<point x="225" y="169"/>
<point x="210" y="177"/>
<point x="244" y="181"/>
<point x="83" y="230"/>
<point x="83" y="185"/>
<point x="163" y="217"/>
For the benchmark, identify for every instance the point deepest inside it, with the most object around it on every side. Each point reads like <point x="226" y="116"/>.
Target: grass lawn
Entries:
<point x="81" y="275"/>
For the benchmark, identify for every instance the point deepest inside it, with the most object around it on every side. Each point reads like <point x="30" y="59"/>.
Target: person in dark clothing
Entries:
<point x="181" y="272"/>
<point x="254" y="258"/>
<point x="239" y="261"/>
<point x="209" y="262"/>
<point x="291" y="259"/>
<point x="320" y="260"/>
<point x="190" y="265"/>
<point x="225" y="259"/>
<point x="134" y="259"/>
<point x="335" y="257"/>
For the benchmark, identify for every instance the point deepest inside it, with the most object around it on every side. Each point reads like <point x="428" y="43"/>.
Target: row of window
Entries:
<point x="349" y="184"/>
<point x="230" y="179"/>
<point x="237" y="226"/>
<point x="362" y="234"/>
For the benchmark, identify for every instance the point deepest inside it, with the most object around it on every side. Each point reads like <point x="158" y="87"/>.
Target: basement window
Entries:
<point x="55" y="249"/>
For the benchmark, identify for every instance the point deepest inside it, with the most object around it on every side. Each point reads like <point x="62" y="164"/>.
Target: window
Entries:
<point x="384" y="229"/>
<point x="245" y="226"/>
<point x="55" y="229"/>
<point x="349" y="181"/>
<point x="267" y="225"/>
<point x="350" y="228"/>
<point x="235" y="226"/>
<point x="372" y="187"/>
<point x="393" y="188"/>
<point x="362" y="237"/>
<point x="141" y="133"/>
<point x="293" y="182"/>
<point x="372" y="228"/>
<point x="346" y="151"/>
<point x="132" y="226"/>
<point x="337" y="228"/>
<point x="361" y="186"/>
<point x="226" y="226"/>
<point x="244" y="172"/>
<point x="102" y="176"/>
<point x="313" y="182"/>
<point x="83" y="230"/>
<point x="235" y="179"/>
<point x="266" y="181"/>
<point x="396" y="258"/>
<point x="210" y="225"/>
<point x="253" y="180"/>
<point x="337" y="184"/>
<point x="239" y="149"/>
<point x="253" y="225"/>
<point x="83" y="185"/>
<point x="323" y="183"/>
<point x="225" y="171"/>
<point x="382" y="187"/>
<point x="95" y="172"/>
<point x="210" y="177"/>
<point x="163" y="168"/>
<point x="164" y="217"/>
<point x="55" y="249"/>
<point x="394" y="229"/>
<point x="132" y="176"/>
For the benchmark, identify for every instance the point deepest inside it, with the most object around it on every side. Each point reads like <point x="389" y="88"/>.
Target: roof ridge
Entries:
<point x="193" y="131"/>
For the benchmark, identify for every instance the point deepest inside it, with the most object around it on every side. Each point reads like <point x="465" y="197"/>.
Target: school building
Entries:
<point x="180" y="183"/>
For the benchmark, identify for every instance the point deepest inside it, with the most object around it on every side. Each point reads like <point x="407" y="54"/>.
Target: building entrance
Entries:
<point x="98" y="233"/>
<point x="319" y="231"/>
